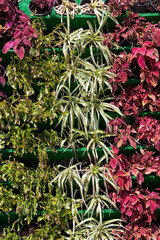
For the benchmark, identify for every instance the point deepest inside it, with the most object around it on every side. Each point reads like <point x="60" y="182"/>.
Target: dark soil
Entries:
<point x="28" y="229"/>
<point x="27" y="163"/>
<point x="140" y="8"/>
<point x="37" y="10"/>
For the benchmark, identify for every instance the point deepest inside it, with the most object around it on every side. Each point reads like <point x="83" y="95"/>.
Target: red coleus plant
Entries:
<point x="137" y="204"/>
<point x="2" y="80"/>
<point x="139" y="231"/>
<point x="122" y="132"/>
<point x="137" y="30"/>
<point x="17" y="27"/>
<point x="119" y="169"/>
<point x="145" y="130"/>
<point x="117" y="7"/>
<point x="134" y="30"/>
<point x="22" y="36"/>
<point x="120" y="69"/>
<point x="148" y="131"/>
<point x="2" y="72"/>
<point x="122" y="168"/>
<point x="144" y="164"/>
<point x="132" y="100"/>
<point x="43" y="4"/>
<point x="147" y="58"/>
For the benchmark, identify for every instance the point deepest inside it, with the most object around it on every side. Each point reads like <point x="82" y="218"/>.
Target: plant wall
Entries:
<point x="71" y="90"/>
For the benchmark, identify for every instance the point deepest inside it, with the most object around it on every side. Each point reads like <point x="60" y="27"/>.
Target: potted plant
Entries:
<point x="28" y="229"/>
<point x="118" y="7"/>
<point x="90" y="6"/>
<point x="139" y="6"/>
<point x="41" y="7"/>
<point x="146" y="60"/>
<point x="155" y="4"/>
<point x="62" y="7"/>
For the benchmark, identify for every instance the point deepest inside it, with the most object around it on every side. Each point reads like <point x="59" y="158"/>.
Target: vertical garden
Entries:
<point x="79" y="120"/>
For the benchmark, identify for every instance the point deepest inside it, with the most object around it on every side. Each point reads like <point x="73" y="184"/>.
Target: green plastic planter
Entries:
<point x="52" y="20"/>
<point x="9" y="218"/>
<point x="106" y="213"/>
<point x="62" y="153"/>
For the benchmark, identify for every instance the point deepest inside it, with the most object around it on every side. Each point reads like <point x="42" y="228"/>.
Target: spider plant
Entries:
<point x="71" y="106"/>
<point x="92" y="229"/>
<point x="94" y="139"/>
<point x="95" y="198"/>
<point x="93" y="7"/>
<point x="78" y="40"/>
<point x="92" y="174"/>
<point x="67" y="178"/>
<point x="68" y="7"/>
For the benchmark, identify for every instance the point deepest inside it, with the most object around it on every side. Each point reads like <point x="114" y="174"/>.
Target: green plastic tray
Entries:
<point x="52" y="20"/>
<point x="11" y="217"/>
<point x="106" y="213"/>
<point x="63" y="153"/>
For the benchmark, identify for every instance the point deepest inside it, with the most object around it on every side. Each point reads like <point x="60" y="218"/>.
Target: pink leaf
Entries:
<point x="119" y="143"/>
<point x="140" y="178"/>
<point x="141" y="62"/>
<point x="2" y="81"/>
<point x="132" y="142"/>
<point x="113" y="163"/>
<point x="115" y="150"/>
<point x="129" y="212"/>
<point x="123" y="77"/>
<point x="20" y="52"/>
<point x="156" y="37"/>
<point x="3" y="94"/>
<point x="7" y="46"/>
<point x="134" y="172"/>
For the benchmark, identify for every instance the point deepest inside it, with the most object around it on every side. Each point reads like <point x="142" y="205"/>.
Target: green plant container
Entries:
<point x="107" y="214"/>
<point x="151" y="17"/>
<point x="62" y="153"/>
<point x="127" y="49"/>
<point x="52" y="20"/>
<point x="10" y="217"/>
<point x="7" y="219"/>
<point x="151" y="181"/>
